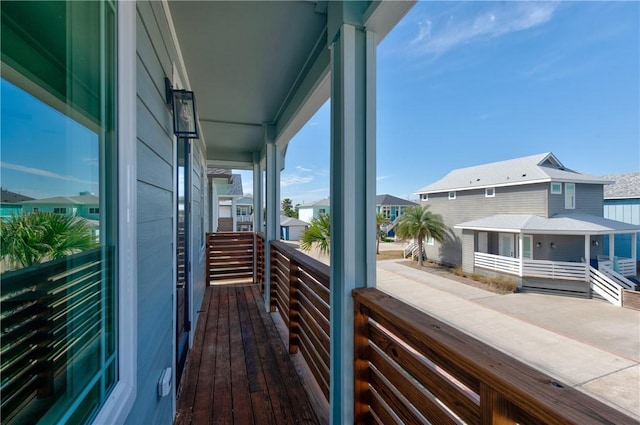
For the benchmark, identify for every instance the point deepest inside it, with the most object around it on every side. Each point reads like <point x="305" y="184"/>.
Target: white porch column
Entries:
<point x="587" y="256"/>
<point x="612" y="246"/>
<point x="521" y="252"/>
<point x="634" y="251"/>
<point x="353" y="189"/>
<point x="234" y="215"/>
<point x="258" y="223"/>
<point x="272" y="195"/>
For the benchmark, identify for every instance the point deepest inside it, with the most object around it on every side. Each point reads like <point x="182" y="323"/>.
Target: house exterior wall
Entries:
<point x="468" y="248"/>
<point x="156" y="219"/>
<point x="472" y="204"/>
<point x="589" y="200"/>
<point x="627" y="211"/>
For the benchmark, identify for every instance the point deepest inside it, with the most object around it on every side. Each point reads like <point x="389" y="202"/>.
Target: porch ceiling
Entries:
<point x="243" y="60"/>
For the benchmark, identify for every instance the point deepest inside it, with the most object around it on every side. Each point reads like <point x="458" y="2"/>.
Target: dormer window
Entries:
<point x="556" y="188"/>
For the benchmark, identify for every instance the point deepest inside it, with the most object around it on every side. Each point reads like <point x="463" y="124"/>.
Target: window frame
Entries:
<point x="424" y="197"/>
<point x="430" y="241"/>
<point x="558" y="191"/>
<point x="493" y="192"/>
<point x="119" y="403"/>
<point x="569" y="202"/>
<point x="450" y="197"/>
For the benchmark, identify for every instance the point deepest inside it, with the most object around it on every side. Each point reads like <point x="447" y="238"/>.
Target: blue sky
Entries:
<point x="466" y="83"/>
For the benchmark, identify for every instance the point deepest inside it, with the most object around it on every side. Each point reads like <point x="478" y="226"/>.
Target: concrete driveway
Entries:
<point x="588" y="344"/>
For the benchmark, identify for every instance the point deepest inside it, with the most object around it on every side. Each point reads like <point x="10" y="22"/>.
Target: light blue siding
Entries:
<point x="628" y="211"/>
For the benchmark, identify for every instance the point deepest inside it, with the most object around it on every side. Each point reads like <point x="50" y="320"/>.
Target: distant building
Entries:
<point x="291" y="228"/>
<point x="83" y="205"/>
<point x="10" y="203"/>
<point x="622" y="203"/>
<point x="226" y="189"/>
<point x="312" y="210"/>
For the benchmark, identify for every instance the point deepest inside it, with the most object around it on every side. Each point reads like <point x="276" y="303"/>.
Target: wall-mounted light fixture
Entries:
<point x="538" y="245"/>
<point x="553" y="245"/>
<point x="183" y="103"/>
<point x="595" y="242"/>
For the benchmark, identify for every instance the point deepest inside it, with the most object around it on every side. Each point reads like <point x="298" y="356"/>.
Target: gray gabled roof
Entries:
<point x="321" y="203"/>
<point x="12" y="197"/>
<point x="66" y="200"/>
<point x="560" y="224"/>
<point x="392" y="200"/>
<point x="544" y="167"/>
<point x="627" y="185"/>
<point x="291" y="221"/>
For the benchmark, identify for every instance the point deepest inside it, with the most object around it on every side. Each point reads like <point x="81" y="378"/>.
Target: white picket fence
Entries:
<point x="606" y="287"/>
<point x="555" y="269"/>
<point x="497" y="262"/>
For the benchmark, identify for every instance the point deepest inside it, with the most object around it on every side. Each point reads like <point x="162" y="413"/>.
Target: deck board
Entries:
<point x="239" y="371"/>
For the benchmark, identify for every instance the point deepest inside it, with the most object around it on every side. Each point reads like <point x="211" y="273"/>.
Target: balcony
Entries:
<point x="409" y="366"/>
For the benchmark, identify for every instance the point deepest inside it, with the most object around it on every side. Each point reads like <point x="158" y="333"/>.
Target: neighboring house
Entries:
<point x="84" y="205"/>
<point x="291" y="228"/>
<point x="531" y="218"/>
<point x="622" y="203"/>
<point x="312" y="210"/>
<point x="391" y="207"/>
<point x="244" y="214"/>
<point x="11" y="203"/>
<point x="226" y="189"/>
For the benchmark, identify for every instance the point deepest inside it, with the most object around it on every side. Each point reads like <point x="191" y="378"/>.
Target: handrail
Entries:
<point x="617" y="277"/>
<point x="497" y="262"/>
<point x="412" y="366"/>
<point x="300" y="289"/>
<point x="230" y="256"/>
<point x="605" y="286"/>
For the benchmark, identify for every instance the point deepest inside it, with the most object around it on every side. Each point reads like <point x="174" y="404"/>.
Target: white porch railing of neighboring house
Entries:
<point x="605" y="286"/>
<point x="497" y="263"/>
<point x="410" y="248"/>
<point x="617" y="277"/>
<point x="626" y="266"/>
<point x="244" y="218"/>
<point x="555" y="269"/>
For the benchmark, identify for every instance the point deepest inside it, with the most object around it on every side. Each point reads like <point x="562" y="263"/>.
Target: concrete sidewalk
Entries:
<point x="588" y="344"/>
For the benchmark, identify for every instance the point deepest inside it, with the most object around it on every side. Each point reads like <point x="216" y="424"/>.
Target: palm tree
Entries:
<point x="419" y="223"/>
<point x="318" y="233"/>
<point x="287" y="207"/>
<point x="380" y="220"/>
<point x="29" y="239"/>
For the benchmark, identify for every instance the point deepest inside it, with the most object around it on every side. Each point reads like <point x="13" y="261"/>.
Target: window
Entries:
<point x="62" y="87"/>
<point x="94" y="210"/>
<point x="424" y="196"/>
<point x="489" y="192"/>
<point x="570" y="196"/>
<point x="556" y="188"/>
<point x="452" y="195"/>
<point x="430" y="240"/>
<point x="322" y="211"/>
<point x="386" y="212"/>
<point x="35" y="209"/>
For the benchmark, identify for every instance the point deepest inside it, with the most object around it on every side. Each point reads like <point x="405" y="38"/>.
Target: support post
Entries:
<point x="612" y="246"/>
<point x="258" y="223"/>
<point x="353" y="168"/>
<point x="634" y="252"/>
<point x="272" y="195"/>
<point x="234" y="215"/>
<point x="521" y="253"/>
<point x="587" y="257"/>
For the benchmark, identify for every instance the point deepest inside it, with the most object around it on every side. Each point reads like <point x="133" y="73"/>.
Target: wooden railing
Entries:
<point x="415" y="368"/>
<point x="230" y="256"/>
<point x="555" y="270"/>
<point x="52" y="316"/>
<point x="300" y="290"/>
<point x="497" y="263"/>
<point x="605" y="286"/>
<point x="259" y="258"/>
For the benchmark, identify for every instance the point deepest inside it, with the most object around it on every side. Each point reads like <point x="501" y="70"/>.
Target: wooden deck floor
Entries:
<point x="239" y="371"/>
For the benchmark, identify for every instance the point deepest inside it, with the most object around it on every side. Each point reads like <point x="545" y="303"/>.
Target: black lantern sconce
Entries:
<point x="183" y="103"/>
<point x="594" y="243"/>
<point x="553" y="245"/>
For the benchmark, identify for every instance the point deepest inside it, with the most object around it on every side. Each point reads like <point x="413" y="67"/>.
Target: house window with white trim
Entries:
<point x="94" y="210"/>
<point x="570" y="196"/>
<point x="490" y="192"/>
<point x="556" y="188"/>
<point x="59" y="339"/>
<point x="430" y="240"/>
<point x="452" y="195"/>
<point x="424" y="197"/>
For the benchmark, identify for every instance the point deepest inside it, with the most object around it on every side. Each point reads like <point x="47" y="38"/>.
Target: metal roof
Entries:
<point x="291" y="221"/>
<point x="570" y="224"/>
<point x="627" y="185"/>
<point x="544" y="167"/>
<point x="321" y="203"/>
<point x="67" y="200"/>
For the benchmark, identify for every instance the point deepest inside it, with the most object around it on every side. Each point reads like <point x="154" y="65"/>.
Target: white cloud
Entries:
<point x="43" y="173"/>
<point x="291" y="179"/>
<point x="301" y="168"/>
<point x="378" y="178"/>
<point x="435" y="38"/>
